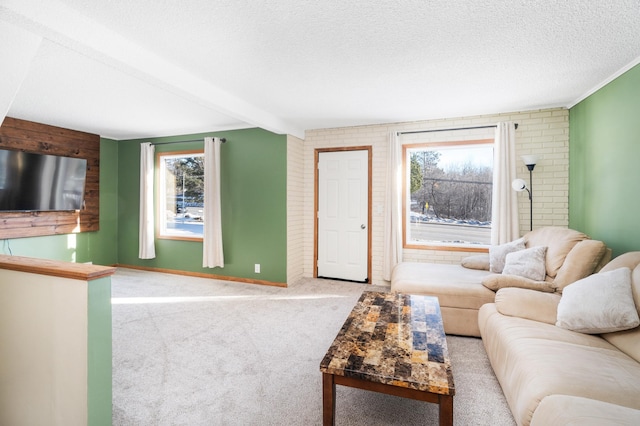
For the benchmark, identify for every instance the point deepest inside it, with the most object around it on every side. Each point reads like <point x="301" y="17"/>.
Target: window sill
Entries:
<point x="471" y="248"/>
<point x="179" y="238"/>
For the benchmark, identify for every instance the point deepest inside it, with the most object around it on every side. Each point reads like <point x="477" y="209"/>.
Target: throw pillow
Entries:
<point x="497" y="254"/>
<point x="528" y="263"/>
<point x="600" y="303"/>
<point x="477" y="261"/>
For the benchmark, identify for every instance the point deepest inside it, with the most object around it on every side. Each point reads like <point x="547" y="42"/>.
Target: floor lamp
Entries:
<point x="520" y="185"/>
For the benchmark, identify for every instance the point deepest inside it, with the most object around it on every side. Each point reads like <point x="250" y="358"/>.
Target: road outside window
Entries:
<point x="448" y="191"/>
<point x="181" y="195"/>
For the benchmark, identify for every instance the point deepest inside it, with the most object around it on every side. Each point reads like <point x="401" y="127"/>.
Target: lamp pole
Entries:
<point x="530" y="167"/>
<point x="521" y="185"/>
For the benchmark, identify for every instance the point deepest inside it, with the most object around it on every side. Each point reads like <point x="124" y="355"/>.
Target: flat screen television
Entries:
<point x="38" y="182"/>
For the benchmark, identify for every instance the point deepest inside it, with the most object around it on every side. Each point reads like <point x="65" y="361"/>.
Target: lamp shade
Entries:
<point x="519" y="185"/>
<point x="529" y="160"/>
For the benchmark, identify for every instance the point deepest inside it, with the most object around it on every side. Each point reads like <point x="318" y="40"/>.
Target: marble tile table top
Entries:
<point x="391" y="343"/>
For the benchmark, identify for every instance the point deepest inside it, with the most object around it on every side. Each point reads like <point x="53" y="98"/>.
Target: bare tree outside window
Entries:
<point x="449" y="193"/>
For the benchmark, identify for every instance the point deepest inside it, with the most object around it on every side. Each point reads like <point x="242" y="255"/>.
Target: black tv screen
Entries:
<point x="38" y="182"/>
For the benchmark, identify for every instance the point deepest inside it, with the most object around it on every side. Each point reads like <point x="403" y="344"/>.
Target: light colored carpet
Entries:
<point x="193" y="351"/>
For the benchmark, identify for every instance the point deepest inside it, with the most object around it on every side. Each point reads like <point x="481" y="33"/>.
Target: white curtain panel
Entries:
<point x="212" y="253"/>
<point x="393" y="209"/>
<point x="146" y="240"/>
<point x="504" y="216"/>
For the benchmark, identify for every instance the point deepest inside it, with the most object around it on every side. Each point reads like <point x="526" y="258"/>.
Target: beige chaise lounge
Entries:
<point x="462" y="290"/>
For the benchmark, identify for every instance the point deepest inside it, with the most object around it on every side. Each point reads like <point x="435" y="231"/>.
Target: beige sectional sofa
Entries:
<point x="462" y="289"/>
<point x="566" y="348"/>
<point x="552" y="375"/>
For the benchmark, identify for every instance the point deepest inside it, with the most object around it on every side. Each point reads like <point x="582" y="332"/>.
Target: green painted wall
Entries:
<point x="98" y="247"/>
<point x="253" y="175"/>
<point x="99" y="352"/>
<point x="604" y="151"/>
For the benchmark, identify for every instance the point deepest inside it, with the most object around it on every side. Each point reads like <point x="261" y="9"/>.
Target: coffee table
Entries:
<point x="393" y="344"/>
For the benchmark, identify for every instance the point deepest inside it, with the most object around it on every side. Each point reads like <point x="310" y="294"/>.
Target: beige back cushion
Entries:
<point x="559" y="241"/>
<point x="605" y="259"/>
<point x="628" y="341"/>
<point x="630" y="260"/>
<point x="580" y="262"/>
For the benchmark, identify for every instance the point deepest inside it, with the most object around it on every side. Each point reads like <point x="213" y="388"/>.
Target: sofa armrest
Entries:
<point x="497" y="281"/>
<point x="528" y="304"/>
<point x="477" y="261"/>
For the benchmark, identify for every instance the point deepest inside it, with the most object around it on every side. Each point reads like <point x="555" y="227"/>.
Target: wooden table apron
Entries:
<point x="329" y="382"/>
<point x="360" y="311"/>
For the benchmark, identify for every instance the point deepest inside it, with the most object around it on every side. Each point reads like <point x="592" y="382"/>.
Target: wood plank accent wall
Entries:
<point x="28" y="136"/>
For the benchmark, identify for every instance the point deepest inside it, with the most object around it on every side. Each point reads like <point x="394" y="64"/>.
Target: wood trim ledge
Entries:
<point x="56" y="268"/>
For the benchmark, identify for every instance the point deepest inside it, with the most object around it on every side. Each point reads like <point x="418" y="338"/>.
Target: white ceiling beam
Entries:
<point x="17" y="50"/>
<point x="63" y="25"/>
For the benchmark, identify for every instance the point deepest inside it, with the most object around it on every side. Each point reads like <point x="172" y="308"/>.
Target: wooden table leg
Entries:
<point x="446" y="410"/>
<point x="328" y="400"/>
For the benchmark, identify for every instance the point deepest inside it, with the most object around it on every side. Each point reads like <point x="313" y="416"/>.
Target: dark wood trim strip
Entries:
<point x="204" y="275"/>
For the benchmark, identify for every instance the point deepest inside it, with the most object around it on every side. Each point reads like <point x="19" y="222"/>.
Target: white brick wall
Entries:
<point x="295" y="203"/>
<point x="542" y="132"/>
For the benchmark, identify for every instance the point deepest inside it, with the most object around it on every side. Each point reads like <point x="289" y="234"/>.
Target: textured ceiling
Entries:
<point x="142" y="68"/>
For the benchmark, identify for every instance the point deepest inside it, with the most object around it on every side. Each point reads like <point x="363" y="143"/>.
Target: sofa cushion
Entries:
<point x="600" y="303"/>
<point x="454" y="285"/>
<point x="559" y="241"/>
<point x="528" y="263"/>
<point x="498" y="254"/>
<point x="573" y="410"/>
<point x="628" y="341"/>
<point x="477" y="261"/>
<point x="580" y="262"/>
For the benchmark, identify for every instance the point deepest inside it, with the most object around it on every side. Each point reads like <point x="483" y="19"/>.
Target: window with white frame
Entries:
<point x="181" y="195"/>
<point x="448" y="193"/>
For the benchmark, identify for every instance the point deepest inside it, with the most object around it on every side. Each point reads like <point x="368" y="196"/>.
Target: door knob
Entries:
<point x="362" y="226"/>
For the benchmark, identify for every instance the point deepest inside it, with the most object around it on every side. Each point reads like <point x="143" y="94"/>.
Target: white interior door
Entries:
<point x="343" y="214"/>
